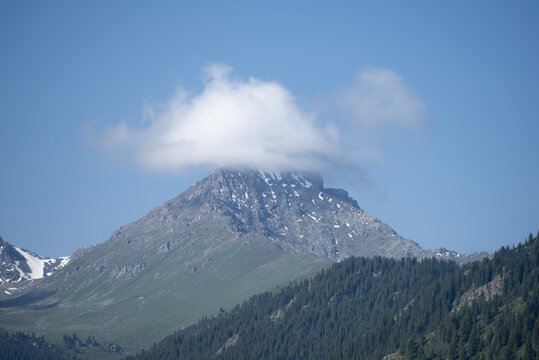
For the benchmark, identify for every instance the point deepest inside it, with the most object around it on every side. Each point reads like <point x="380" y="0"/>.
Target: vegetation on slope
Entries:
<point x="378" y="307"/>
<point x="211" y="268"/>
<point x="23" y="346"/>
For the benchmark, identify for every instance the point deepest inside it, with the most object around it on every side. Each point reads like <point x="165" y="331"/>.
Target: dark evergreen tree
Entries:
<point x="23" y="346"/>
<point x="369" y="308"/>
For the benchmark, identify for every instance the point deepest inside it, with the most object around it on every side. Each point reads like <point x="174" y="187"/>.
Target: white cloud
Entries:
<point x="379" y="101"/>
<point x="231" y="123"/>
<point x="259" y="124"/>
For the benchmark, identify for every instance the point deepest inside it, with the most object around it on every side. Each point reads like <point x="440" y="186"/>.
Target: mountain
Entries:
<point x="381" y="308"/>
<point x="226" y="238"/>
<point x="18" y="266"/>
<point x="299" y="215"/>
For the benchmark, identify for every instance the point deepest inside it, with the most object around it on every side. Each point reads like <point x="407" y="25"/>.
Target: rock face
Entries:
<point x="486" y="292"/>
<point x="296" y="213"/>
<point x="14" y="265"/>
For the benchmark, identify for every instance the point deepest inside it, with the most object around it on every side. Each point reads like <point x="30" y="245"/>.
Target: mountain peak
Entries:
<point x="294" y="210"/>
<point x="304" y="179"/>
<point x="258" y="180"/>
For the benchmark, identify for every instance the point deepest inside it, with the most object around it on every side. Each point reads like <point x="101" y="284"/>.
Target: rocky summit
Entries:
<point x="296" y="212"/>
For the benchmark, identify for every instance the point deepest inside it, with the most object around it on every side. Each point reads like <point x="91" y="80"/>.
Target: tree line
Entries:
<point x="370" y="308"/>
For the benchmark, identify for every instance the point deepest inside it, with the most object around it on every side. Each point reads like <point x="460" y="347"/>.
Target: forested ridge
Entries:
<point x="375" y="308"/>
<point x="23" y="346"/>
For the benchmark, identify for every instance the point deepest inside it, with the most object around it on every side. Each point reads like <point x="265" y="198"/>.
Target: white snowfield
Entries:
<point x="37" y="265"/>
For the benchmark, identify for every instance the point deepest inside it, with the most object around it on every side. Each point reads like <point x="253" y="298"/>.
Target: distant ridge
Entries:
<point x="18" y="265"/>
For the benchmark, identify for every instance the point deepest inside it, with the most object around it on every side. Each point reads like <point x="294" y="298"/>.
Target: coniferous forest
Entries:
<point x="23" y="346"/>
<point x="376" y="308"/>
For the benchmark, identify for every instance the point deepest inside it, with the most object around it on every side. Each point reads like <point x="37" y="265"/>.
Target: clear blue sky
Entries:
<point x="467" y="180"/>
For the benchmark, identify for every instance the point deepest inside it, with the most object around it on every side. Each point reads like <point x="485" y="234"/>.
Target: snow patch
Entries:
<point x="263" y="176"/>
<point x="37" y="265"/>
<point x="312" y="217"/>
<point x="302" y="181"/>
<point x="336" y="226"/>
<point x="34" y="263"/>
<point x="320" y="196"/>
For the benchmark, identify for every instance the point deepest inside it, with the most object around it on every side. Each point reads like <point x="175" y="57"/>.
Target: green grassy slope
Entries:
<point x="149" y="292"/>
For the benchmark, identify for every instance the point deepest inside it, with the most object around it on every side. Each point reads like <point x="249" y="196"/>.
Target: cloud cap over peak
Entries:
<point x="238" y="123"/>
<point x="231" y="123"/>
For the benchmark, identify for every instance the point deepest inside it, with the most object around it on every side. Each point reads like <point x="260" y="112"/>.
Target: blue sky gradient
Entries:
<point x="466" y="180"/>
